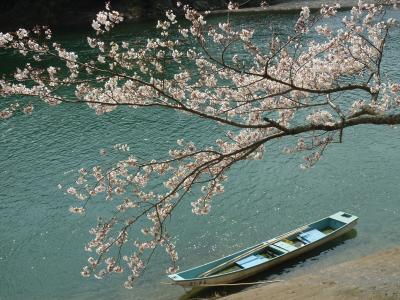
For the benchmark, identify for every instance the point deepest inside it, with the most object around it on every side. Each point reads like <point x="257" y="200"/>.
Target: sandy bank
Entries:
<point x="375" y="276"/>
<point x="294" y="6"/>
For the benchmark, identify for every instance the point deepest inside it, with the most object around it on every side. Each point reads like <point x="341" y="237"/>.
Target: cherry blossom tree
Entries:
<point x="301" y="86"/>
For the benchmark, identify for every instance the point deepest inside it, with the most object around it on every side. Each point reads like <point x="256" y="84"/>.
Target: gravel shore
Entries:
<point x="374" y="277"/>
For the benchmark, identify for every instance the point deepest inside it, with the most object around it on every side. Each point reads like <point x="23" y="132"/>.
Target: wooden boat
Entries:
<point x="267" y="254"/>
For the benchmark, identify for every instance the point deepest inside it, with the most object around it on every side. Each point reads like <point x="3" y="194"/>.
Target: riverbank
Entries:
<point x="293" y="6"/>
<point x="62" y="15"/>
<point x="376" y="276"/>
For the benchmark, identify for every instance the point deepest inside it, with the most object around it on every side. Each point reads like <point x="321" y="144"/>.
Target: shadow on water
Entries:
<point x="271" y="274"/>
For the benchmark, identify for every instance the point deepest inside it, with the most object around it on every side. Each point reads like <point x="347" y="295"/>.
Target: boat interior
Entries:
<point x="311" y="234"/>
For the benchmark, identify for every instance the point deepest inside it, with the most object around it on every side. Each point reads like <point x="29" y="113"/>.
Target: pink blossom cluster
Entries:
<point x="106" y="20"/>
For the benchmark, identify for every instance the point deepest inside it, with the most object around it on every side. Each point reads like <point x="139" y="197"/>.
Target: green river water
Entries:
<point x="41" y="243"/>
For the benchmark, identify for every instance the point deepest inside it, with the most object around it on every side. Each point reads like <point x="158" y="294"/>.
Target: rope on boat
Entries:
<point x="227" y="284"/>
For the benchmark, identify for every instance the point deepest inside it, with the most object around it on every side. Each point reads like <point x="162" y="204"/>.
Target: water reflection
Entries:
<point x="275" y="273"/>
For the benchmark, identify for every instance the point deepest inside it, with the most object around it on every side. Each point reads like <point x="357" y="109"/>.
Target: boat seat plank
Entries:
<point x="311" y="236"/>
<point x="251" y="261"/>
<point x="246" y="259"/>
<point x="285" y="246"/>
<point x="279" y="249"/>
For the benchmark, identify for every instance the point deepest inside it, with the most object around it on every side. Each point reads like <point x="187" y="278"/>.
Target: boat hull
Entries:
<point x="242" y="274"/>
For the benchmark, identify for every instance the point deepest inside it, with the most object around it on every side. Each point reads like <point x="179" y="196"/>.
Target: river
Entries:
<point x="41" y="249"/>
